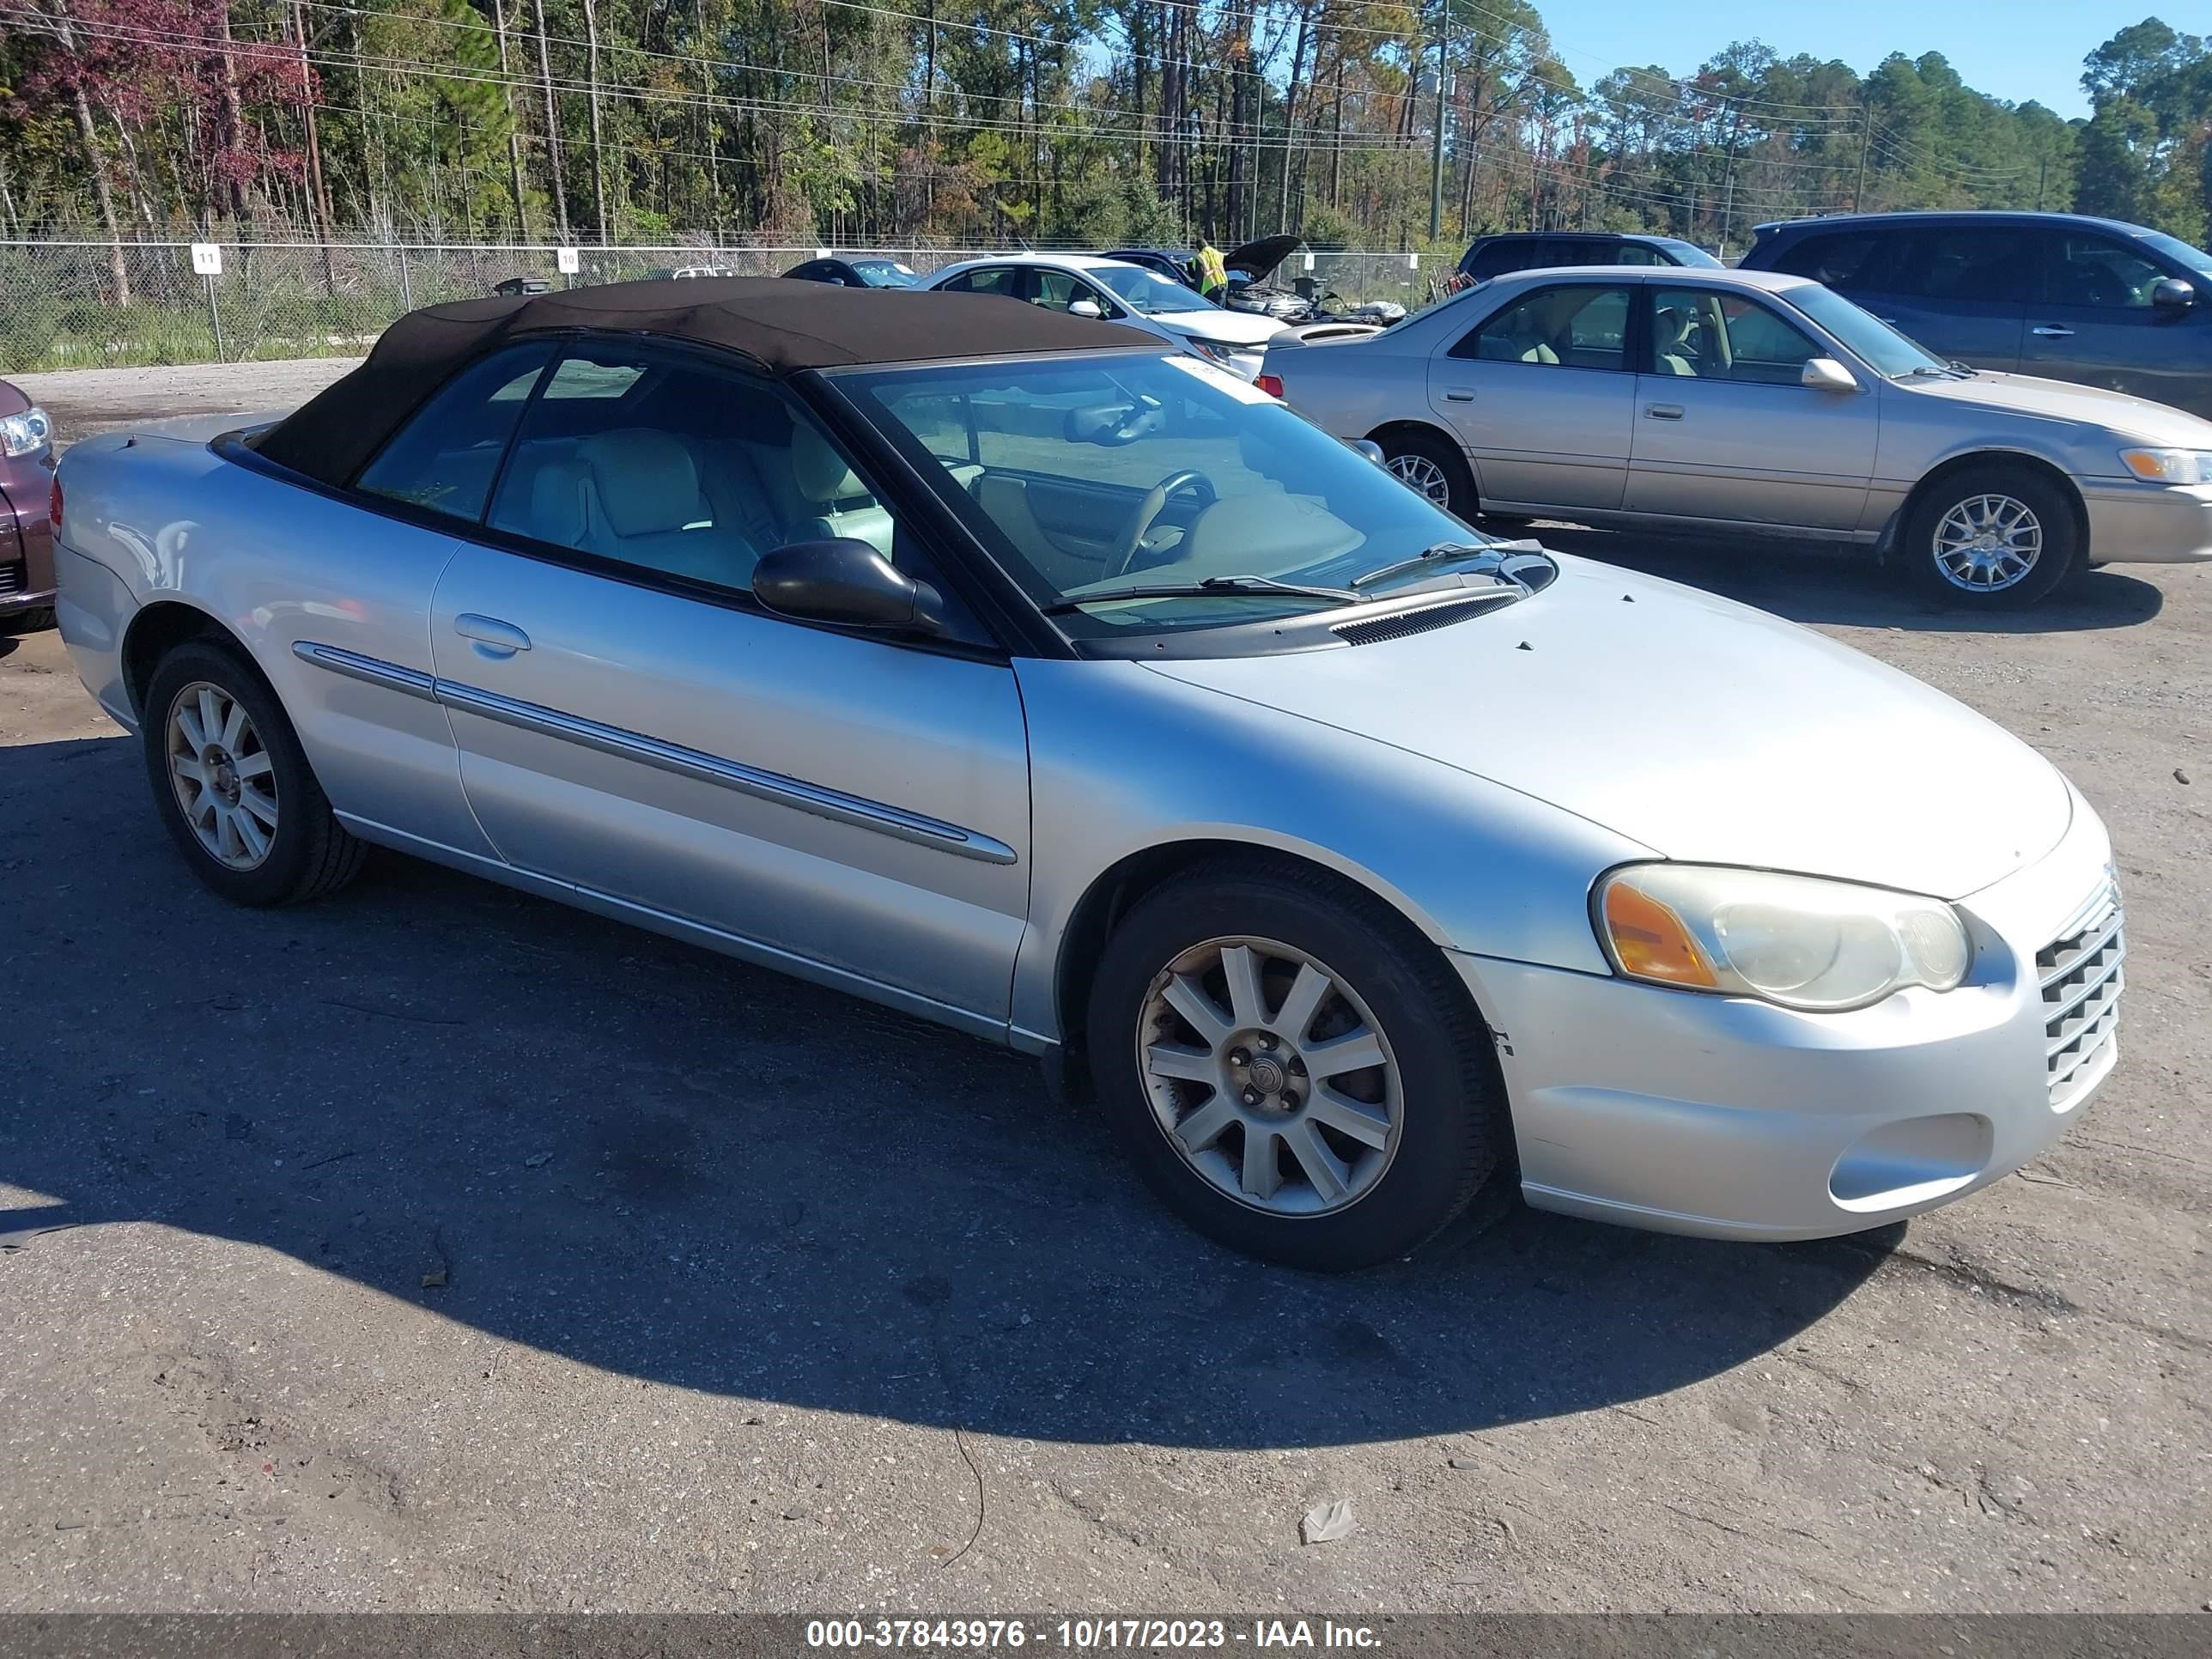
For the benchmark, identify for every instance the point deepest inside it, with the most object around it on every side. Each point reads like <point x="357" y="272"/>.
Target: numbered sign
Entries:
<point x="1309" y="259"/>
<point x="1412" y="262"/>
<point x="207" y="260"/>
<point x="567" y="262"/>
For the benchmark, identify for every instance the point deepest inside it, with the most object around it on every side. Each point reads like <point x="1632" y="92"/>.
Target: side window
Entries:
<point x="1576" y="327"/>
<point x="1497" y="259"/>
<point x="1970" y="262"/>
<point x="1708" y="336"/>
<point x="994" y="279"/>
<point x="1056" y="290"/>
<point x="678" y="467"/>
<point x="1635" y="253"/>
<point x="446" y="456"/>
<point x="1842" y="258"/>
<point x="2095" y="271"/>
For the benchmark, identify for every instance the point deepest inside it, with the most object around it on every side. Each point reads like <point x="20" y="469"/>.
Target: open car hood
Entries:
<point x="1258" y="259"/>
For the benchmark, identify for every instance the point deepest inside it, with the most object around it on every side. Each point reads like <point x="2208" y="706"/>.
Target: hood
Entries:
<point x="2083" y="405"/>
<point x="1703" y="729"/>
<point x="1258" y="259"/>
<point x="13" y="399"/>
<point x="1242" y="328"/>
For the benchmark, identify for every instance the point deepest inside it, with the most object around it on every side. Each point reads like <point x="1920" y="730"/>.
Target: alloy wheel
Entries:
<point x="1270" y="1077"/>
<point x="1424" y="475"/>
<point x="1986" y="543"/>
<point x="223" y="776"/>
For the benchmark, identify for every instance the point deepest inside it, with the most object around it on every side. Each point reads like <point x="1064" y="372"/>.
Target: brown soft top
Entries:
<point x="781" y="325"/>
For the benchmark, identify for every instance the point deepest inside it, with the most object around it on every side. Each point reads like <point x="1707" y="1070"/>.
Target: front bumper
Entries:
<point x="1731" y="1118"/>
<point x="27" y="548"/>
<point x="2149" y="524"/>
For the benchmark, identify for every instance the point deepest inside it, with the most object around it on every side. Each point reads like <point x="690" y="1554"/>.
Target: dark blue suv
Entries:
<point x="2059" y="295"/>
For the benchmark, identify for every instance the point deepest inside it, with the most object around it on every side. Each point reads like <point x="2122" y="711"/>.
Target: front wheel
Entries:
<point x="1293" y="1066"/>
<point x="1991" y="538"/>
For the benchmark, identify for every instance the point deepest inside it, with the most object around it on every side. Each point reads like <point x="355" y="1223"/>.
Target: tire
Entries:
<point x="1989" y="497"/>
<point x="35" y="620"/>
<point x="1431" y="463"/>
<point x="308" y="853"/>
<point x="1430" y="1122"/>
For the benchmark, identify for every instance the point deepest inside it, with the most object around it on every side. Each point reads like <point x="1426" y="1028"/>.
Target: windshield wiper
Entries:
<point x="1446" y="550"/>
<point x="1205" y="588"/>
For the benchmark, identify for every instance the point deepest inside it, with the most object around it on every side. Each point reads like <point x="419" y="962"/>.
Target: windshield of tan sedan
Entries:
<point x="1089" y="475"/>
<point x="1882" y="349"/>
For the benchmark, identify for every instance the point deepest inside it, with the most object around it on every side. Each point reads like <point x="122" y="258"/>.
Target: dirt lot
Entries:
<point x="437" y="1247"/>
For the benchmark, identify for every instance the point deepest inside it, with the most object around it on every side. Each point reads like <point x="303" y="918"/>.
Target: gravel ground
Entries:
<point x="437" y="1247"/>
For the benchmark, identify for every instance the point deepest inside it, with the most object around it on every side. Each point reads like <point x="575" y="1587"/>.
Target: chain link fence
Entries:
<point x="96" y="305"/>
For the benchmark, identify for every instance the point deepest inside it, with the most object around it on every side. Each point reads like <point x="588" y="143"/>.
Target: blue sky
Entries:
<point x="2012" y="49"/>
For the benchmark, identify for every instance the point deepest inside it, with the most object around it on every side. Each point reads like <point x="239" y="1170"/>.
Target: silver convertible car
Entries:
<point x="1744" y="402"/>
<point x="1017" y="673"/>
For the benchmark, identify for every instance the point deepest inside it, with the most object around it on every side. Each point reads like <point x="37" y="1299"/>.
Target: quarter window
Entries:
<point x="1708" y="336"/>
<point x="2095" y="271"/>
<point x="1844" y="259"/>
<point x="1578" y="327"/>
<point x="445" y="457"/>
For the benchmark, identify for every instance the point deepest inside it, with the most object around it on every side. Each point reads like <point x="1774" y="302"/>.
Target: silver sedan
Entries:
<point x="1018" y="674"/>
<point x="1748" y="402"/>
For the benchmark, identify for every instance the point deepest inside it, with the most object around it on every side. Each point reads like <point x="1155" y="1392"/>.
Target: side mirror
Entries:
<point x="843" y="581"/>
<point x="2171" y="293"/>
<point x="1085" y="308"/>
<point x="1368" y="447"/>
<point x="1826" y="375"/>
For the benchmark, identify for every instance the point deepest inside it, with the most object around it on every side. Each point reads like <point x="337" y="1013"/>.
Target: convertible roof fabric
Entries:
<point x="783" y="327"/>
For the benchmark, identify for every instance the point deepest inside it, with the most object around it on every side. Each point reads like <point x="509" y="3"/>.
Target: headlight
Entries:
<point x="1220" y="351"/>
<point x="25" y="433"/>
<point x="1795" y="940"/>
<point x="2174" y="466"/>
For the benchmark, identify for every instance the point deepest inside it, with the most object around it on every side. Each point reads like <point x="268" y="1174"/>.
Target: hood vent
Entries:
<point x="1377" y="629"/>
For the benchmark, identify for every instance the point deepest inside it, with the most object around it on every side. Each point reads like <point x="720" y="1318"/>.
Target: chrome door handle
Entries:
<point x="1459" y="394"/>
<point x="1663" y="412"/>
<point x="493" y="637"/>
<point x="2052" y="331"/>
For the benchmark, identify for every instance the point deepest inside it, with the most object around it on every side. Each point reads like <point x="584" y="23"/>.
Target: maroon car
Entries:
<point x="26" y="536"/>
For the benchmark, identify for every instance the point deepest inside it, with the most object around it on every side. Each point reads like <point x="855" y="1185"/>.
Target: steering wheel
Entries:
<point x="1156" y="500"/>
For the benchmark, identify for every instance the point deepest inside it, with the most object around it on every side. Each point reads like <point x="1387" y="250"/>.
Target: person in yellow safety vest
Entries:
<point x="1213" y="276"/>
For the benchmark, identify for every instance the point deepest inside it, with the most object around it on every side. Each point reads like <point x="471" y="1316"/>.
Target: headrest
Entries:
<point x="647" y="481"/>
<point x="821" y="470"/>
<point x="557" y="503"/>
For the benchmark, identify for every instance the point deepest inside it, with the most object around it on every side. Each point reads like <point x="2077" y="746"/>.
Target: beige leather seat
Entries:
<point x="1672" y="348"/>
<point x="840" y="503"/>
<point x="633" y="495"/>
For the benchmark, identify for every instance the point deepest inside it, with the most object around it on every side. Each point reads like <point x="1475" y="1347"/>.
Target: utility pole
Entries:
<point x="2042" y="174"/>
<point x="1866" y="142"/>
<point x="1727" y="183"/>
<point x="1437" y="152"/>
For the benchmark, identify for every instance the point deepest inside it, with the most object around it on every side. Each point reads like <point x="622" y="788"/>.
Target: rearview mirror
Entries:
<point x="1826" y="375"/>
<point x="839" y="580"/>
<point x="1368" y="447"/>
<point x="1085" y="308"/>
<point x="2172" y="291"/>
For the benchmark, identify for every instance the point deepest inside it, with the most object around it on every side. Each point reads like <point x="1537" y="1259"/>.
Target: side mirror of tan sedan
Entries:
<point x="1826" y="375"/>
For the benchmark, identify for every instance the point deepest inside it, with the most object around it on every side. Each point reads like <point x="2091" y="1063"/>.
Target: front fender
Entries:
<point x="1124" y="761"/>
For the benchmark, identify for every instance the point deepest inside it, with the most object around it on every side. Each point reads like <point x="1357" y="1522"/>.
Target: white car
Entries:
<point x="1084" y="285"/>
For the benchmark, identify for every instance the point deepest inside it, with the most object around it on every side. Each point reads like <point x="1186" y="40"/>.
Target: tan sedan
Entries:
<point x="1747" y="402"/>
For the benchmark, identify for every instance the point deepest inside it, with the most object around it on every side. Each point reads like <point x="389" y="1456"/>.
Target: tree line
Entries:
<point x="896" y="122"/>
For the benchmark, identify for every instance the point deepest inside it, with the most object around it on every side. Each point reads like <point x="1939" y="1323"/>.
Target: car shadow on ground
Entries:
<point x="654" y="1160"/>
<point x="1848" y="588"/>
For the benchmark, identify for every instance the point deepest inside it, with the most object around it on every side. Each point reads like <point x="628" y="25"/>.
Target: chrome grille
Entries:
<point x="2080" y="973"/>
<point x="11" y="578"/>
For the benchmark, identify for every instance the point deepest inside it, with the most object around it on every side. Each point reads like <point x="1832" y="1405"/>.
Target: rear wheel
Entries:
<point x="1998" y="537"/>
<point x="234" y="786"/>
<point x="1294" y="1068"/>
<point x="1432" y="464"/>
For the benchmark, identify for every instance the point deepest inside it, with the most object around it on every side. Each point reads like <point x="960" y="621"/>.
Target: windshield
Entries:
<point x="1145" y="292"/>
<point x="883" y="273"/>
<point x="1091" y="474"/>
<point x="1689" y="253"/>
<point x="1888" y="353"/>
<point x="2195" y="259"/>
